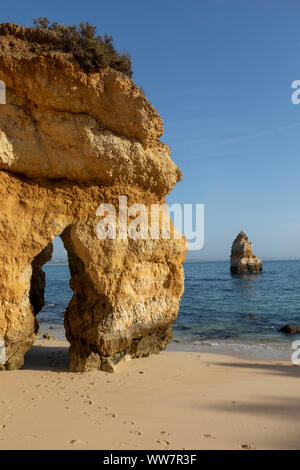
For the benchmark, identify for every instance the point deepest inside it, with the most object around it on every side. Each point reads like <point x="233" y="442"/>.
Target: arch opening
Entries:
<point x="50" y="292"/>
<point x="64" y="302"/>
<point x="112" y="314"/>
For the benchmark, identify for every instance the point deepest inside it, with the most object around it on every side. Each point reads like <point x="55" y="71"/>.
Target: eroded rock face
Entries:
<point x="60" y="122"/>
<point x="242" y="259"/>
<point x="70" y="141"/>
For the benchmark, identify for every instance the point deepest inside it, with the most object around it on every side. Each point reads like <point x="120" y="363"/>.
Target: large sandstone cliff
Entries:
<point x="70" y="140"/>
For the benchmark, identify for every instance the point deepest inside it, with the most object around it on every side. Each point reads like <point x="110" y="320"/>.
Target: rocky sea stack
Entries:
<point x="71" y="139"/>
<point x="242" y="259"/>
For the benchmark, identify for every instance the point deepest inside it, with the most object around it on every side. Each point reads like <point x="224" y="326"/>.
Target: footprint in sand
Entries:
<point x="247" y="447"/>
<point x="166" y="433"/>
<point x="30" y="407"/>
<point x="163" y="441"/>
<point x="7" y="417"/>
<point x="76" y="441"/>
<point x="127" y="444"/>
<point x="136" y="433"/>
<point x="88" y="402"/>
<point x="73" y="441"/>
<point x="111" y="415"/>
<point x="208" y="436"/>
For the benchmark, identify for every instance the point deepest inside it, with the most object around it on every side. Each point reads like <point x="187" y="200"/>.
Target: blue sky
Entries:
<point x="220" y="74"/>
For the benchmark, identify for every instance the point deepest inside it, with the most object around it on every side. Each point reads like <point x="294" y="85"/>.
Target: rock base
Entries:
<point x="246" y="267"/>
<point x="15" y="354"/>
<point x="83" y="358"/>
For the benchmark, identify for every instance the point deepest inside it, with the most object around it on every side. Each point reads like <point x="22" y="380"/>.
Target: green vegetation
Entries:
<point x="91" y="51"/>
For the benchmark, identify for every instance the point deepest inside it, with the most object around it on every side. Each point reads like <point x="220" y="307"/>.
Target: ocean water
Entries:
<point x="240" y="314"/>
<point x="219" y="312"/>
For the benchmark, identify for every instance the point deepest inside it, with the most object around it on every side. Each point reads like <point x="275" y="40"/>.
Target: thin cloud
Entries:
<point x="258" y="134"/>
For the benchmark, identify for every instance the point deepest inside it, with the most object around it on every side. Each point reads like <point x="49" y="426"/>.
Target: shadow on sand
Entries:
<point x="47" y="358"/>
<point x="275" y="368"/>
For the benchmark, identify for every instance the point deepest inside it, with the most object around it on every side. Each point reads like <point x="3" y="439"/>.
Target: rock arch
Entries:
<point x="61" y="155"/>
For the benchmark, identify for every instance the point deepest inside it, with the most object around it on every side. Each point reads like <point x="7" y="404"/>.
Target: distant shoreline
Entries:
<point x="228" y="260"/>
<point x="60" y="263"/>
<point x="66" y="263"/>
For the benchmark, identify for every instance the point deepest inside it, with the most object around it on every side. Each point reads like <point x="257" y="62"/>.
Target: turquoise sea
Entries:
<point x="219" y="312"/>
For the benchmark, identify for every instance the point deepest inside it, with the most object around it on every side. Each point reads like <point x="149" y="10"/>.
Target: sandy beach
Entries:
<point x="176" y="400"/>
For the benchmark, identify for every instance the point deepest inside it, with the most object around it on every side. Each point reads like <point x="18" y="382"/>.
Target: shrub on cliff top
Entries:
<point x="91" y="51"/>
